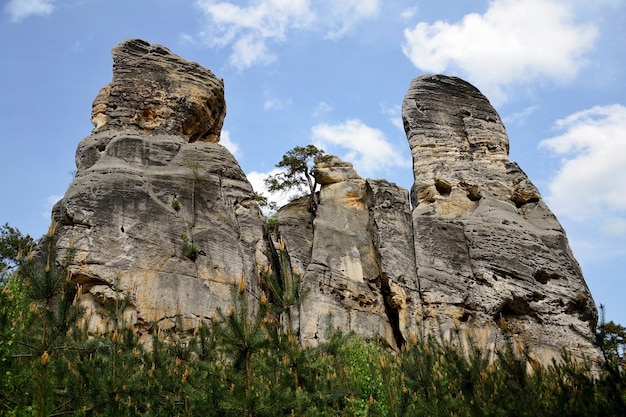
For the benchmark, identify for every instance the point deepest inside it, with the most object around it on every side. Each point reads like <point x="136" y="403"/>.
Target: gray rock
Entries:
<point x="491" y="257"/>
<point x="356" y="254"/>
<point x="161" y="212"/>
<point x="171" y="95"/>
<point x="149" y="193"/>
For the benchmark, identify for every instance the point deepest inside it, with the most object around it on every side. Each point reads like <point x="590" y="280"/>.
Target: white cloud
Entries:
<point x="257" y="180"/>
<point x="520" y="117"/>
<point x="186" y="39"/>
<point x="228" y="143"/>
<point x="340" y="17"/>
<point x="367" y="148"/>
<point x="614" y="226"/>
<point x="321" y="108"/>
<point x="248" y="51"/>
<point x="409" y="13"/>
<point x="394" y="115"/>
<point x="21" y="9"/>
<point x="514" y="41"/>
<point x="250" y="29"/>
<point x="590" y="182"/>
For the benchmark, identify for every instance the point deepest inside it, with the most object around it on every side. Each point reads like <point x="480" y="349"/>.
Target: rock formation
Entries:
<point x="160" y="211"/>
<point x="491" y="256"/>
<point x="355" y="255"/>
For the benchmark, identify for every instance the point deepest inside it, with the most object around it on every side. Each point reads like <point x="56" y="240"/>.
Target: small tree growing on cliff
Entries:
<point x="297" y="175"/>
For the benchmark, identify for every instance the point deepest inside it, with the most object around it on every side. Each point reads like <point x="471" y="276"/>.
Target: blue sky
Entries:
<point x="334" y="73"/>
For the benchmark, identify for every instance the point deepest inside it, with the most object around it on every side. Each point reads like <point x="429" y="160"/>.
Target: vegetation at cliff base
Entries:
<point x="246" y="360"/>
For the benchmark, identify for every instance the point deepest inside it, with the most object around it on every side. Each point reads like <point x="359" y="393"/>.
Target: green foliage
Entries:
<point x="41" y="350"/>
<point x="247" y="360"/>
<point x="191" y="250"/>
<point x="297" y="170"/>
<point x="176" y="204"/>
<point x="13" y="248"/>
<point x="269" y="209"/>
<point x="297" y="164"/>
<point x="264" y="202"/>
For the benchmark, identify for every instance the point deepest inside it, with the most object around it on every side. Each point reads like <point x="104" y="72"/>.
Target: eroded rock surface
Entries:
<point x="491" y="257"/>
<point x="158" y="209"/>
<point x="355" y="254"/>
<point x="155" y="91"/>
<point x="161" y="212"/>
<point x="478" y="251"/>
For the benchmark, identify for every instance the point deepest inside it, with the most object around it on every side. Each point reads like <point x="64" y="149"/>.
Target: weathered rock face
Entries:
<point x="491" y="257"/>
<point x="155" y="91"/>
<point x="479" y="251"/>
<point x="152" y="188"/>
<point x="356" y="256"/>
<point x="161" y="212"/>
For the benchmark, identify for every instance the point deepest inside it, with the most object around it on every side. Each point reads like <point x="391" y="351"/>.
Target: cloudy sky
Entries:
<point x="334" y="73"/>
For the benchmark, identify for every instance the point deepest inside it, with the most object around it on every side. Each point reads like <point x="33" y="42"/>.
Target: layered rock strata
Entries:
<point x="479" y="252"/>
<point x="159" y="211"/>
<point x="355" y="256"/>
<point x="491" y="257"/>
<point x="162" y="216"/>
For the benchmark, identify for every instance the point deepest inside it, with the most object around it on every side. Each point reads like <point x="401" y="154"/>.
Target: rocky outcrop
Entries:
<point x="491" y="257"/>
<point x="478" y="252"/>
<point x="158" y="209"/>
<point x="355" y="255"/>
<point x="155" y="91"/>
<point x="161" y="213"/>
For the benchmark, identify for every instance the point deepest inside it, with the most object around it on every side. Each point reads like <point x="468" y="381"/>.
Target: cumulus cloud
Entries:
<point x="590" y="181"/>
<point x="21" y="9"/>
<point x="249" y="30"/>
<point x="366" y="147"/>
<point x="513" y="42"/>
<point x="228" y="143"/>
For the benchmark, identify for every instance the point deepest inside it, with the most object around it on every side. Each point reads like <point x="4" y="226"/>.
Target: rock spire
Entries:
<point x="158" y="210"/>
<point x="491" y="256"/>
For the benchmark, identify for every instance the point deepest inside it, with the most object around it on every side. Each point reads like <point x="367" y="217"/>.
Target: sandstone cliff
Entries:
<point x="159" y="210"/>
<point x="478" y="251"/>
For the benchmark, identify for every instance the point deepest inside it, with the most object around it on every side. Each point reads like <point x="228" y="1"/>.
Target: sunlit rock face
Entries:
<point x="355" y="255"/>
<point x="161" y="213"/>
<point x="155" y="91"/>
<point x="159" y="210"/>
<point x="491" y="257"/>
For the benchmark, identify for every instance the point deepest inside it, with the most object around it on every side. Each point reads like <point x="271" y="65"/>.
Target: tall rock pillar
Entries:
<point x="159" y="210"/>
<point x="491" y="257"/>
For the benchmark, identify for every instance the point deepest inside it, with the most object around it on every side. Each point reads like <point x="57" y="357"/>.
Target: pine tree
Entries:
<point x="44" y="348"/>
